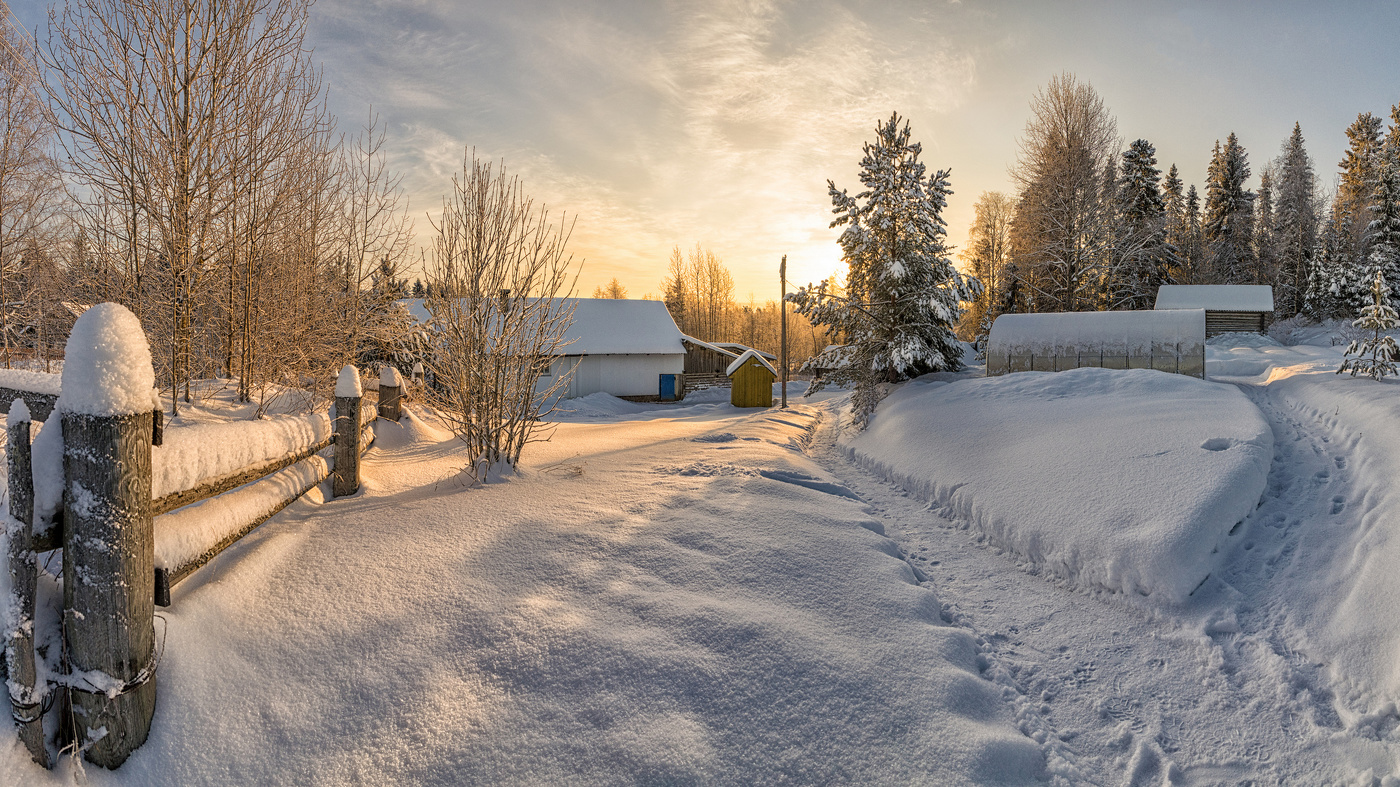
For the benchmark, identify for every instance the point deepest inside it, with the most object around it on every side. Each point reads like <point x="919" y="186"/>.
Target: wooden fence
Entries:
<point x="110" y="527"/>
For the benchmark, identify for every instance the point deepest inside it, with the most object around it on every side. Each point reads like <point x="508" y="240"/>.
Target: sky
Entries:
<point x="664" y="124"/>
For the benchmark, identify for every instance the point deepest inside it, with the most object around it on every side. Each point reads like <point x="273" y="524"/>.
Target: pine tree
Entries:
<point x="1327" y="282"/>
<point x="1295" y="223"/>
<point x="1194" y="255"/>
<point x="1375" y="356"/>
<point x="903" y="294"/>
<point x="1229" y="216"/>
<point x="1147" y="260"/>
<point x="1384" y="229"/>
<point x="1360" y="167"/>
<point x="1265" y="238"/>
<point x="418" y="290"/>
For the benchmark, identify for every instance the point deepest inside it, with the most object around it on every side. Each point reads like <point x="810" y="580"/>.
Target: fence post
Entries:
<point x="345" y="478"/>
<point x="108" y="545"/>
<point x="26" y="699"/>
<point x="390" y="393"/>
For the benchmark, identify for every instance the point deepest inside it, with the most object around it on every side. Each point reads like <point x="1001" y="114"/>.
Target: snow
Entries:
<point x="47" y="457"/>
<point x="691" y="593"/>
<point x="185" y="534"/>
<point x="389" y="377"/>
<point x="608" y="326"/>
<point x="347" y="385"/>
<point x="1132" y="333"/>
<point x="1216" y="297"/>
<point x="1126" y="480"/>
<point x="749" y="355"/>
<point x="193" y="454"/>
<point x="19" y="413"/>
<point x="107" y="364"/>
<point x="37" y="382"/>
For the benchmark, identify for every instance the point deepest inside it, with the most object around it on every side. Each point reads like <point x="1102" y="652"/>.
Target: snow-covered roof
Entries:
<point x="735" y="347"/>
<point x="755" y="355"/>
<point x="1216" y="297"/>
<point x="609" y="326"/>
<point x="702" y="343"/>
<point x="1129" y="332"/>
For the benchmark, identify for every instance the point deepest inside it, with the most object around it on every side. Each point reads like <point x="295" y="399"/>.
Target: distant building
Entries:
<point x="1246" y="308"/>
<point x="614" y="346"/>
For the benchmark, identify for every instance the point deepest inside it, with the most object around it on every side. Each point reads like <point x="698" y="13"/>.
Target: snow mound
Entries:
<point x="36" y="382"/>
<point x="599" y="405"/>
<point x="389" y="378"/>
<point x="1126" y="480"/>
<point x="107" y="369"/>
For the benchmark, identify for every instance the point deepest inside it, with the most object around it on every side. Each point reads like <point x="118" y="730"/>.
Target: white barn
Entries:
<point x="614" y="346"/>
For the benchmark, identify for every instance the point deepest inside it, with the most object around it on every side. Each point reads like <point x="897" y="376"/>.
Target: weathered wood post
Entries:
<point x="416" y="376"/>
<point x="108" y="548"/>
<point x="390" y="393"/>
<point x="345" y="478"/>
<point x="26" y="698"/>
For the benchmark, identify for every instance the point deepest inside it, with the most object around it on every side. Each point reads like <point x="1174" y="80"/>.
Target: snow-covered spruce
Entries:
<point x="903" y="294"/>
<point x="1376" y="355"/>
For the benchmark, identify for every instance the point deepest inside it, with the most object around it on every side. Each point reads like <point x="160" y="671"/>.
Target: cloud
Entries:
<point x="656" y="125"/>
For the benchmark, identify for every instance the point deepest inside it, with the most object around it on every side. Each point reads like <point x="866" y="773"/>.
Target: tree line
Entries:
<point x="1095" y="224"/>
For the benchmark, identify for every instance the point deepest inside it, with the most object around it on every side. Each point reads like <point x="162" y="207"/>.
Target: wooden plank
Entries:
<point x="167" y="578"/>
<point x="40" y="404"/>
<point x="217" y="486"/>
<point x="108" y="574"/>
<point x="26" y="702"/>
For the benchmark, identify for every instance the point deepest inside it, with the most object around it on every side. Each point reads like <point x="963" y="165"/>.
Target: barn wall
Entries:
<point x="619" y="375"/>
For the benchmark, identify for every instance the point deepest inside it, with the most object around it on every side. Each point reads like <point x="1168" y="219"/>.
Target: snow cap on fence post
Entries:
<point x="389" y="377"/>
<point x="107" y="364"/>
<point x="19" y="413"/>
<point x="347" y="385"/>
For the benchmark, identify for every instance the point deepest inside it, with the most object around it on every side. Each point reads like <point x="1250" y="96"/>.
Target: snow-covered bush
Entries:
<point x="1375" y="356"/>
<point x="497" y="316"/>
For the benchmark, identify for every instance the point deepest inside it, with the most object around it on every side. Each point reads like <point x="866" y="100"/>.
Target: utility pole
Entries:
<point x="782" y="304"/>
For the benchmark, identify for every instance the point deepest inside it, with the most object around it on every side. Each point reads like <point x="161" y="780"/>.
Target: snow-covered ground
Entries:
<point x="999" y="583"/>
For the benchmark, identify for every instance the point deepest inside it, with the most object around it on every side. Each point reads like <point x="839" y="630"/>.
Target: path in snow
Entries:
<point x="1210" y="693"/>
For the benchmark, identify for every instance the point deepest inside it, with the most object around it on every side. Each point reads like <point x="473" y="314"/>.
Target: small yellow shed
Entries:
<point x="751" y="380"/>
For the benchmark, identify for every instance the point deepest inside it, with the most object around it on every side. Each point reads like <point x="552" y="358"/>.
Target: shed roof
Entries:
<point x="706" y="345"/>
<point x="1216" y="297"/>
<point x="609" y="326"/>
<point x="735" y="347"/>
<point x="754" y="354"/>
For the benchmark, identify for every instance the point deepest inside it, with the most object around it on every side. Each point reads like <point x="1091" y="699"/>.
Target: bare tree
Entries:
<point x="614" y="290"/>
<point x="987" y="256"/>
<point x="1060" y="228"/>
<point x="377" y="232"/>
<point x="28" y="177"/>
<point x="499" y="314"/>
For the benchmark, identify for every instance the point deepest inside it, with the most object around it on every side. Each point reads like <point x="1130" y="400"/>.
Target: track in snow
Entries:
<point x="1212" y="693"/>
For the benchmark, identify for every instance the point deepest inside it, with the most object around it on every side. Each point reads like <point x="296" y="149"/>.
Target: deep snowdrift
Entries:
<point x="1127" y="480"/>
